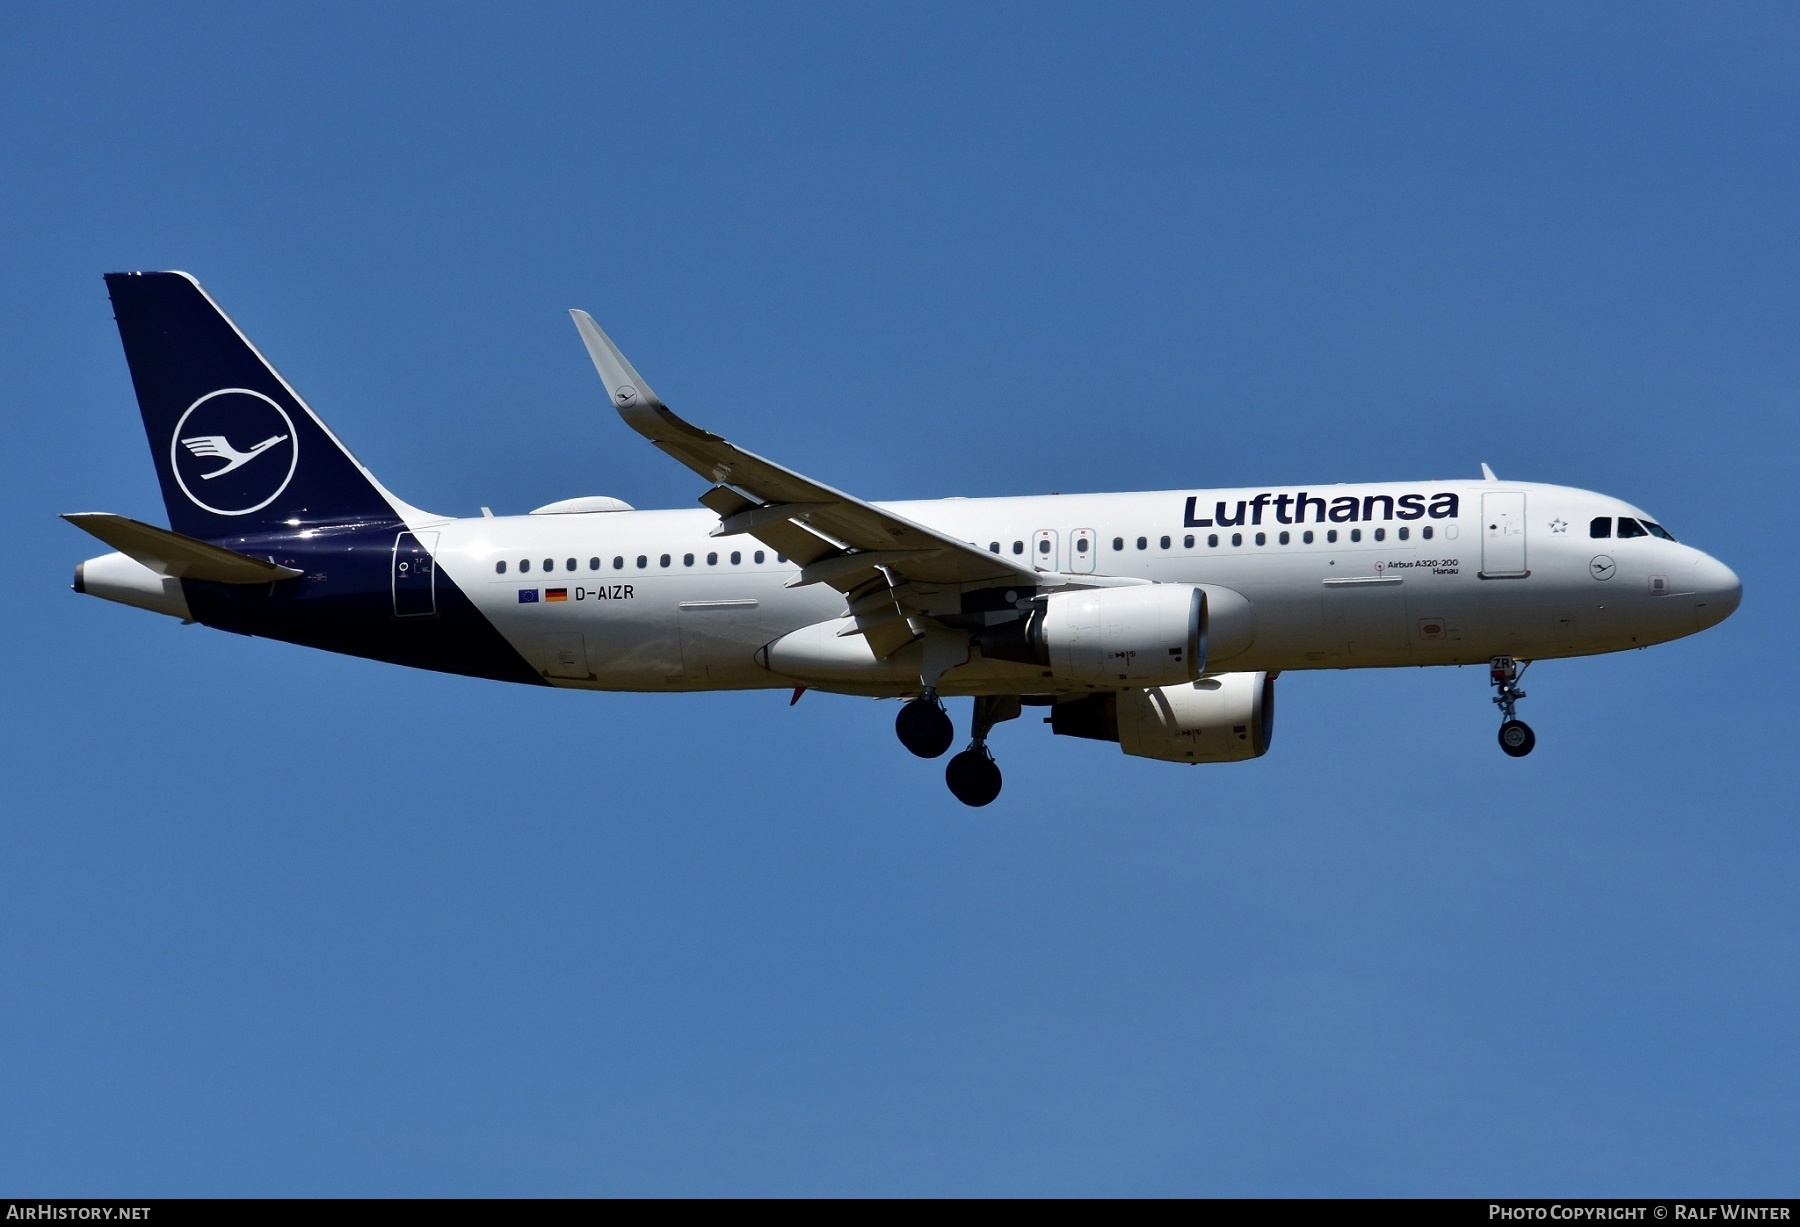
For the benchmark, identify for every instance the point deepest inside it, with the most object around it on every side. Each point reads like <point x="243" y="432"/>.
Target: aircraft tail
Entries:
<point x="236" y="449"/>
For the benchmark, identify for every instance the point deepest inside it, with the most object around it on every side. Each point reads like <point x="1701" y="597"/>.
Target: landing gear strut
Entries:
<point x="1516" y="737"/>
<point x="973" y="776"/>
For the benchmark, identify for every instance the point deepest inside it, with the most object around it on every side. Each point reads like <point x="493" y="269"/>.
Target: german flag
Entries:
<point x="556" y="594"/>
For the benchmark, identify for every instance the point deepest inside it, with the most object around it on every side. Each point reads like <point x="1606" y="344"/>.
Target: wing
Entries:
<point x="836" y="538"/>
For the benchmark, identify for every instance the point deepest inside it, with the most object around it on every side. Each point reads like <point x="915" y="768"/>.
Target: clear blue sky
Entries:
<point x="278" y="922"/>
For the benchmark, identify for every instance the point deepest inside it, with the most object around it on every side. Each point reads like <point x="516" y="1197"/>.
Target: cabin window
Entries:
<point x="1331" y="536"/>
<point x="1262" y="538"/>
<point x="687" y="560"/>
<point x="736" y="557"/>
<point x="500" y="567"/>
<point x="1426" y="532"/>
<point x="1306" y="537"/>
<point x="1237" y="538"/>
<point x="619" y="562"/>
<point x="993" y="547"/>
<point x="1381" y="534"/>
<point x="1187" y="542"/>
<point x="781" y="558"/>
<point x="758" y="556"/>
<point x="570" y="565"/>
<point x="1212" y="541"/>
<point x="593" y="564"/>
<point x="1143" y="543"/>
<point x="1044" y="546"/>
<point x="1018" y="547"/>
<point x="663" y="561"/>
<point x="1600" y="526"/>
<point x="1165" y="543"/>
<point x="549" y="564"/>
<point x="1118" y="543"/>
<point x="1404" y="532"/>
<point x="642" y="562"/>
<point x="1630" y="528"/>
<point x="1356" y="534"/>
<point x="1081" y="545"/>
<point x="1285" y="537"/>
<point x="712" y="560"/>
<point x="524" y="564"/>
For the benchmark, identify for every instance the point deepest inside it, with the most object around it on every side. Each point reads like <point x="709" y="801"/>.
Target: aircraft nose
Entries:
<point x="1717" y="591"/>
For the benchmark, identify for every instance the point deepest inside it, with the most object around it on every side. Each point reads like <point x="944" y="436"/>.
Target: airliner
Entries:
<point x="1159" y="621"/>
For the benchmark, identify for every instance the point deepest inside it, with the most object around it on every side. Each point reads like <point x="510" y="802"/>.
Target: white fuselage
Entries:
<point x="649" y="600"/>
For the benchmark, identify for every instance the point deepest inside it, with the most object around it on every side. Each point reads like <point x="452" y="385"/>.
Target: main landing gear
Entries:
<point x="925" y="728"/>
<point x="1516" y="737"/>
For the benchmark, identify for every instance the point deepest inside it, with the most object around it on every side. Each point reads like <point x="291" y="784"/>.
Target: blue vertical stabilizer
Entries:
<point x="236" y="449"/>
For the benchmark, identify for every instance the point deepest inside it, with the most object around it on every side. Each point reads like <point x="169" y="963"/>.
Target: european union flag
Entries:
<point x="528" y="596"/>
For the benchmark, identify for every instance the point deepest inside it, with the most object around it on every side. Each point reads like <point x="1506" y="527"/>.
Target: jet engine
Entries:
<point x="1147" y="635"/>
<point x="1151" y="635"/>
<point x="1226" y="718"/>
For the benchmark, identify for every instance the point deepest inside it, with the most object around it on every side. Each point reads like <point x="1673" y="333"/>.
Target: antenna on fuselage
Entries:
<point x="1487" y="474"/>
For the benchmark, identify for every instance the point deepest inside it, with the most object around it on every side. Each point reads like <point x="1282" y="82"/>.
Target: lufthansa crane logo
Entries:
<point x="233" y="452"/>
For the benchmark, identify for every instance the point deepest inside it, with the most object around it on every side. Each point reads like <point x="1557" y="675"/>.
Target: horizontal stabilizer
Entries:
<point x="174" y="555"/>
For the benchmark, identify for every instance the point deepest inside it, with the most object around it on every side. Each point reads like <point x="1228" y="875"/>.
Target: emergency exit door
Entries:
<point x="1503" y="535"/>
<point x="1083" y="546"/>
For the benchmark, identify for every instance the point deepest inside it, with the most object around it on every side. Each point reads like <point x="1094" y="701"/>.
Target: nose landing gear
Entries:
<point x="1516" y="737"/>
<point x="973" y="776"/>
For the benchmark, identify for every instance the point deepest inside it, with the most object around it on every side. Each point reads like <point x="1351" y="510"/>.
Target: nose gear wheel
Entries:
<point x="1516" y="738"/>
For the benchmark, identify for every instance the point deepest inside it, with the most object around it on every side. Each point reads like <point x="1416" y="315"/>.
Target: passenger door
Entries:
<point x="1503" y="536"/>
<point x="415" y="575"/>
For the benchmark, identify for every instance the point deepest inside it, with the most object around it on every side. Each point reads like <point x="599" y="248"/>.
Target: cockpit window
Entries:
<point x="1629" y="527"/>
<point x="1657" y="530"/>
<point x="1600" y="526"/>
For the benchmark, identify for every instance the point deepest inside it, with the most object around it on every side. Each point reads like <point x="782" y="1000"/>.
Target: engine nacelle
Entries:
<point x="1226" y="718"/>
<point x="1149" y="635"/>
<point x="1222" y="719"/>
